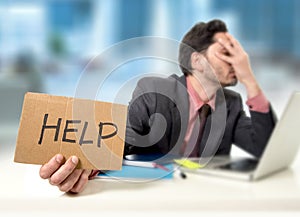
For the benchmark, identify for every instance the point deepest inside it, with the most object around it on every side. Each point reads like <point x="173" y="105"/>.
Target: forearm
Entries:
<point x="252" y="87"/>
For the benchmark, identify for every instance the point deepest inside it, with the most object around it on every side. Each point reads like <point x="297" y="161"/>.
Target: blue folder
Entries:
<point x="143" y="173"/>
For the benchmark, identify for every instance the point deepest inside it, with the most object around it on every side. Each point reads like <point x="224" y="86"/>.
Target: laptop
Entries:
<point x="279" y="153"/>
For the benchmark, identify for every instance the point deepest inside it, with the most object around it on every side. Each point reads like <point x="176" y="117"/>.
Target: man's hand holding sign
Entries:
<point x="71" y="138"/>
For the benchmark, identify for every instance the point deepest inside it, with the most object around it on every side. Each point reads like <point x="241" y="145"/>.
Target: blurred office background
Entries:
<point x="45" y="45"/>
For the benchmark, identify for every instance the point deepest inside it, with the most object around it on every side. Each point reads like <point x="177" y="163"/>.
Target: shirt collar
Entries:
<point x="195" y="98"/>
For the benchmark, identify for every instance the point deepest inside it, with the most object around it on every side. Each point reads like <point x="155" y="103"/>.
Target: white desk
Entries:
<point x="22" y="192"/>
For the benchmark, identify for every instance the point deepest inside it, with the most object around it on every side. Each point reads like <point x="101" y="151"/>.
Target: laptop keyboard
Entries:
<point x="244" y="165"/>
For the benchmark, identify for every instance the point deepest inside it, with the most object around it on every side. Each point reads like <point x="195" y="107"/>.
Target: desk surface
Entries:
<point x="22" y="191"/>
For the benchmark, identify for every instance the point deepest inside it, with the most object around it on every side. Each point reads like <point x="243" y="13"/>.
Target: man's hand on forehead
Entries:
<point x="232" y="46"/>
<point x="237" y="58"/>
<point x="224" y="41"/>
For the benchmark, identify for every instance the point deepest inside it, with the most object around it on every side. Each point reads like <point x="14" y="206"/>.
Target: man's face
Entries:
<point x="223" y="70"/>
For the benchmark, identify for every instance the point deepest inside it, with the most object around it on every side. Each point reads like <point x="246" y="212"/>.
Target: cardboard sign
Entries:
<point x="92" y="130"/>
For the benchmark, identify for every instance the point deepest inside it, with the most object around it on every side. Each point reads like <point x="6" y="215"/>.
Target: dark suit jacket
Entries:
<point x="158" y="117"/>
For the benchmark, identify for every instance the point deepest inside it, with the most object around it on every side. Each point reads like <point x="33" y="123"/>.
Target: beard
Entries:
<point x="231" y="83"/>
<point x="226" y="79"/>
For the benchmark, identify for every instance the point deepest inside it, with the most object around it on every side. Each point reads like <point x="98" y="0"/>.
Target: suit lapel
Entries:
<point x="180" y="114"/>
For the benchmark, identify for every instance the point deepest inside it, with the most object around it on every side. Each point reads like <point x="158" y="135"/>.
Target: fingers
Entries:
<point x="64" y="171"/>
<point x="232" y="46"/>
<point x="49" y="168"/>
<point x="64" y="175"/>
<point x="70" y="181"/>
<point x="227" y="45"/>
<point x="224" y="57"/>
<point x="81" y="183"/>
<point x="232" y="40"/>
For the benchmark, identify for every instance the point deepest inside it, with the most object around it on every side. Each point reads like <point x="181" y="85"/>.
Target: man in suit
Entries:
<point x="211" y="60"/>
<point x="163" y="115"/>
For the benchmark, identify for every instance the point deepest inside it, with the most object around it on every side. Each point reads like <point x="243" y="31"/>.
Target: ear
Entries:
<point x="196" y="62"/>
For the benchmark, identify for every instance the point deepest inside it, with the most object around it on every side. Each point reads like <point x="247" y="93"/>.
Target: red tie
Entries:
<point x="203" y="113"/>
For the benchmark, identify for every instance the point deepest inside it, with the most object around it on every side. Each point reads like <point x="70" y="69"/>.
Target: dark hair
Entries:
<point x="199" y="38"/>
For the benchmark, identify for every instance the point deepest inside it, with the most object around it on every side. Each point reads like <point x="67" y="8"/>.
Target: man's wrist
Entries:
<point x="253" y="89"/>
